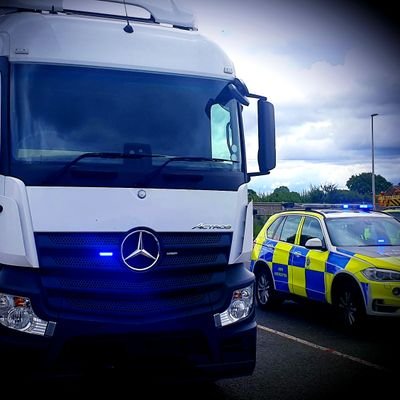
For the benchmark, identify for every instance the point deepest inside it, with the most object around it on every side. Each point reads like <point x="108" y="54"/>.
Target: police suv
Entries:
<point x="347" y="256"/>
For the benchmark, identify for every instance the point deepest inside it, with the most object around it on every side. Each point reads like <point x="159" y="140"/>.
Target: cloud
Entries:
<point x="326" y="66"/>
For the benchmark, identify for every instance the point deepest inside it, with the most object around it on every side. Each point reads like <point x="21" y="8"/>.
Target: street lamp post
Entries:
<point x="373" y="159"/>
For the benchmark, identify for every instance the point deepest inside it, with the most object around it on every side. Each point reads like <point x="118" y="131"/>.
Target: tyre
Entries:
<point x="266" y="295"/>
<point x="350" y="308"/>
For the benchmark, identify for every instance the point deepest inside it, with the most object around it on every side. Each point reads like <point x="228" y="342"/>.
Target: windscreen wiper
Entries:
<point x="61" y="172"/>
<point x="149" y="177"/>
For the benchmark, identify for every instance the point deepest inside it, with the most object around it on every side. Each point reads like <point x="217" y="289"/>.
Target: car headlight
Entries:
<point x="16" y="313"/>
<point x="240" y="307"/>
<point x="376" y="274"/>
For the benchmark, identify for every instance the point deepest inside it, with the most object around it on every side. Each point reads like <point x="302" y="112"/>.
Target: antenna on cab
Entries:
<point x="128" y="27"/>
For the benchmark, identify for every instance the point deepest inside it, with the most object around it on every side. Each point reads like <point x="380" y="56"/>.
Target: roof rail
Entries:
<point x="161" y="11"/>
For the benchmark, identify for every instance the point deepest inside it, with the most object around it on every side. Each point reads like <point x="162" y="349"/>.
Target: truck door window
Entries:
<point x="223" y="143"/>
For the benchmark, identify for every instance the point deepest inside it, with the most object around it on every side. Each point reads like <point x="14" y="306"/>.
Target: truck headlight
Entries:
<point x="240" y="307"/>
<point x="16" y="313"/>
<point x="377" y="274"/>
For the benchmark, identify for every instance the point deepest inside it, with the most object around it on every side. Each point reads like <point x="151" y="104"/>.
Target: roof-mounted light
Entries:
<point x="363" y="206"/>
<point x="326" y="206"/>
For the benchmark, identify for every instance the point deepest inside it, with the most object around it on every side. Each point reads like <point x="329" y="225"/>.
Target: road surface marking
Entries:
<point x="322" y="348"/>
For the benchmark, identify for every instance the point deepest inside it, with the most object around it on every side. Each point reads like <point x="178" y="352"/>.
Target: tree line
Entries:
<point x="359" y="191"/>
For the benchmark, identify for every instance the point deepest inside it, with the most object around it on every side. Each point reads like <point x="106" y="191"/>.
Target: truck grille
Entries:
<point x="188" y="277"/>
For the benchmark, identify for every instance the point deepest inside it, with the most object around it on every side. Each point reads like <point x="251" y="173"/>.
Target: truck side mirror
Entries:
<point x="266" y="137"/>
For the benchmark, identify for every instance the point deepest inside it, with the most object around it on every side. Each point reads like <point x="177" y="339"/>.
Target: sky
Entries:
<point x="326" y="66"/>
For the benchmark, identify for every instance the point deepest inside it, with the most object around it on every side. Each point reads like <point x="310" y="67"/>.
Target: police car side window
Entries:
<point x="273" y="228"/>
<point x="311" y="229"/>
<point x="290" y="228"/>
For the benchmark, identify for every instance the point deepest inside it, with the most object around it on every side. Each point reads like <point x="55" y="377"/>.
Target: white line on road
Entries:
<point x="322" y="348"/>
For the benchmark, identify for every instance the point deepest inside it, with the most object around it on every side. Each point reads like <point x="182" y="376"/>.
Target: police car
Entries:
<point x="347" y="256"/>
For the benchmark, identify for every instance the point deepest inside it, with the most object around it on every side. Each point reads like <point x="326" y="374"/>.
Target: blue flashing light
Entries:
<point x="106" y="253"/>
<point x="365" y="207"/>
<point x="381" y="240"/>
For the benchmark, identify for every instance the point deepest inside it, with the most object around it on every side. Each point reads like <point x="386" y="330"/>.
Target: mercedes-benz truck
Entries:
<point x="125" y="225"/>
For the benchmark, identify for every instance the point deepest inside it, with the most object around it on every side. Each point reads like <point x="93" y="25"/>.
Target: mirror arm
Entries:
<point x="256" y="96"/>
<point x="251" y="174"/>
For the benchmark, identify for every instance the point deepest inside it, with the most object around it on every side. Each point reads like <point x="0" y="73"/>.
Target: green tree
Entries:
<point x="329" y="190"/>
<point x="348" y="196"/>
<point x="329" y="193"/>
<point x="313" y="195"/>
<point x="283" y="194"/>
<point x="362" y="183"/>
<point x="253" y="195"/>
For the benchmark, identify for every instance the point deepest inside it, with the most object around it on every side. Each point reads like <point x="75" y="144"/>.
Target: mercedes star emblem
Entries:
<point x="140" y="250"/>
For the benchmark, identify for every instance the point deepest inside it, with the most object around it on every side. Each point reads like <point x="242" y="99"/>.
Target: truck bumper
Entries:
<point x="79" y="347"/>
<point x="185" y="345"/>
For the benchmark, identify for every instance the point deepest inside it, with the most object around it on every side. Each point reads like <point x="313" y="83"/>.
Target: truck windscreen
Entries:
<point x="60" y="112"/>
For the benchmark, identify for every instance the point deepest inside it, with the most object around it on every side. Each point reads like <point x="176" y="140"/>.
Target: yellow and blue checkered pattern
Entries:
<point x="301" y="271"/>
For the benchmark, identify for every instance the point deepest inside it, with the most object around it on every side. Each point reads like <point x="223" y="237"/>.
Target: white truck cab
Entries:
<point x="125" y="225"/>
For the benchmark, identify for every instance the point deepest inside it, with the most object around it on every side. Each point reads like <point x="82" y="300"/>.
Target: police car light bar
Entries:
<point x="357" y="206"/>
<point x="319" y="206"/>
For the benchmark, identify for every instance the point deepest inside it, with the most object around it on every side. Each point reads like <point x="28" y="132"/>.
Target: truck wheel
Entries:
<point x="266" y="295"/>
<point x="350" y="307"/>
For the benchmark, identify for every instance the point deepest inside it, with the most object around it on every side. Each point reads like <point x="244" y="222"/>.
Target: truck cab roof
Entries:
<point x="76" y="37"/>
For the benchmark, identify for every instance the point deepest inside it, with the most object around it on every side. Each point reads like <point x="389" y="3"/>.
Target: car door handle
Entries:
<point x="297" y="253"/>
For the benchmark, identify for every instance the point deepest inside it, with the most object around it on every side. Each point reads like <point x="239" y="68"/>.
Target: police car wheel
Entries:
<point x="349" y="306"/>
<point x="265" y="292"/>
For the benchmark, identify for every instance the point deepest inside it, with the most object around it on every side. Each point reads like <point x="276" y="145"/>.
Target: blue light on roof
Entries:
<point x="381" y="240"/>
<point x="355" y="206"/>
<point x="106" y="253"/>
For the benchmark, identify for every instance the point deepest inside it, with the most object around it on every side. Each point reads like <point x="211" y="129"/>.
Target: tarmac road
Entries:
<point x="301" y="354"/>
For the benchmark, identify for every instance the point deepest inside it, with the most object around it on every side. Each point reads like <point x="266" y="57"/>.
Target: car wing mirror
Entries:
<point x="315" y="244"/>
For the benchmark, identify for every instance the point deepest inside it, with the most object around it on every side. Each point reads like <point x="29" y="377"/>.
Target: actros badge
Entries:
<point x="140" y="250"/>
